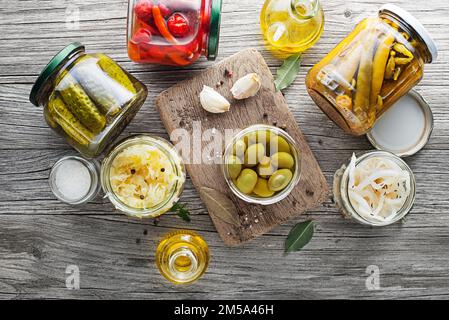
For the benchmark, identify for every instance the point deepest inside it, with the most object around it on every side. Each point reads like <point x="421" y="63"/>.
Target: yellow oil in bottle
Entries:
<point x="182" y="257"/>
<point x="291" y="26"/>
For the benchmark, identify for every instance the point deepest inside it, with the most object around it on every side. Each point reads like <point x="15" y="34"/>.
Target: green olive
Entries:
<point x="234" y="166"/>
<point x="261" y="189"/>
<point x="239" y="148"/>
<point x="280" y="180"/>
<point x="283" y="160"/>
<point x="246" y="181"/>
<point x="250" y="138"/>
<point x="254" y="154"/>
<point x="279" y="144"/>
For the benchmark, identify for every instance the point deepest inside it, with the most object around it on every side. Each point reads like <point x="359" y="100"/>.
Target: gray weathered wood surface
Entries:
<point x="40" y="237"/>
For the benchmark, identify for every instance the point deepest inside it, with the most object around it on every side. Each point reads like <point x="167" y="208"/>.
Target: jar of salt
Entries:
<point x="75" y="180"/>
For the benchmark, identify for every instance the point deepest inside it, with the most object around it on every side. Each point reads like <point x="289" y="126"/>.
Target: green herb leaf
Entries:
<point x="181" y="211"/>
<point x="287" y="73"/>
<point x="299" y="236"/>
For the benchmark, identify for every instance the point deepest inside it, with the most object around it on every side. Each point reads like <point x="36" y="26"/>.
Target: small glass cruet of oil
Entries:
<point x="182" y="257"/>
<point x="291" y="26"/>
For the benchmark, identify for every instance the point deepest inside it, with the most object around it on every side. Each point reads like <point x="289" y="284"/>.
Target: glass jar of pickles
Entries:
<point x="262" y="164"/>
<point x="378" y="62"/>
<point x="291" y="26"/>
<point x="143" y="176"/>
<point x="87" y="98"/>
<point x="173" y="32"/>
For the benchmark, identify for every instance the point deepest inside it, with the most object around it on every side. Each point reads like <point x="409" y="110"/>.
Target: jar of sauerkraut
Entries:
<point x="378" y="63"/>
<point x="143" y="176"/>
<point x="377" y="188"/>
<point x="87" y="98"/>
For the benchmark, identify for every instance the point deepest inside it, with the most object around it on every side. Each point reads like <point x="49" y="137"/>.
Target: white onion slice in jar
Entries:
<point x="378" y="188"/>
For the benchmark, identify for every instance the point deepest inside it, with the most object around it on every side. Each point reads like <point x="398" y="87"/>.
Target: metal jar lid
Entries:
<point x="414" y="24"/>
<point x="397" y="121"/>
<point x="51" y="67"/>
<point x="214" y="29"/>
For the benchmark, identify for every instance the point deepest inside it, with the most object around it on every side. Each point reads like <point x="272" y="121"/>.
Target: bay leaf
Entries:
<point x="299" y="236"/>
<point x="287" y="73"/>
<point x="220" y="206"/>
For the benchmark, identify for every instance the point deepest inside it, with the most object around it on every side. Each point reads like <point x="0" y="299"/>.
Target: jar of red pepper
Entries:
<point x="173" y="32"/>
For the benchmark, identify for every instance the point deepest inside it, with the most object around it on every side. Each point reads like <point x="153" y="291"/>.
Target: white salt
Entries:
<point x="73" y="180"/>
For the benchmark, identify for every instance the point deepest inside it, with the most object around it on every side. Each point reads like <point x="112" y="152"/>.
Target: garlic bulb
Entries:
<point x="212" y="101"/>
<point x="246" y="87"/>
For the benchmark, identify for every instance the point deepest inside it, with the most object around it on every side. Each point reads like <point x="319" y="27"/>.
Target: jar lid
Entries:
<point x="75" y="180"/>
<point x="413" y="23"/>
<point x="405" y="128"/>
<point x="214" y="29"/>
<point x="51" y="67"/>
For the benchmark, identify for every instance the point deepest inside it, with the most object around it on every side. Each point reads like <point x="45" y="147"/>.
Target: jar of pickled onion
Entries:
<point x="173" y="32"/>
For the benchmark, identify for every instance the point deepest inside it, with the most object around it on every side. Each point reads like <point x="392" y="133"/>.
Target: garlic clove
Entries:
<point x="212" y="101"/>
<point x="246" y="87"/>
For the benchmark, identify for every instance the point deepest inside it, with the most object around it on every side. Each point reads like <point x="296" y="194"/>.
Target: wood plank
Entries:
<point x="40" y="236"/>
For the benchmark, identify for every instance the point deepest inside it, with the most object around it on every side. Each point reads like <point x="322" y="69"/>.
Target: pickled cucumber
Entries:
<point x="79" y="103"/>
<point x="68" y="122"/>
<point x="107" y="94"/>
<point x="115" y="72"/>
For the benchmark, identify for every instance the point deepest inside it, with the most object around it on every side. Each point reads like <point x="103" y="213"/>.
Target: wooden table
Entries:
<point x="40" y="237"/>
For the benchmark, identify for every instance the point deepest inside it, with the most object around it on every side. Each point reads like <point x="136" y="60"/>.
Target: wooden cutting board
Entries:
<point x="179" y="107"/>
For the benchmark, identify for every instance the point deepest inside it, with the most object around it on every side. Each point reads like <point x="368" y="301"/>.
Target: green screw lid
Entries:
<point x="214" y="31"/>
<point x="51" y="67"/>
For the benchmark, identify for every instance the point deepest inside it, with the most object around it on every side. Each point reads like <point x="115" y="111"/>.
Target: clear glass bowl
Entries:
<point x="94" y="170"/>
<point x="279" y="195"/>
<point x="341" y="187"/>
<point x="176" y="161"/>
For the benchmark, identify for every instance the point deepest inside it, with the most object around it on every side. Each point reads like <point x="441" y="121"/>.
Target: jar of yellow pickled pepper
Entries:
<point x="375" y="65"/>
<point x="291" y="26"/>
<point x="87" y="98"/>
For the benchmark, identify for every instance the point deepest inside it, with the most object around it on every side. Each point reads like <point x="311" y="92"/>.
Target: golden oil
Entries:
<point x="291" y="26"/>
<point x="182" y="257"/>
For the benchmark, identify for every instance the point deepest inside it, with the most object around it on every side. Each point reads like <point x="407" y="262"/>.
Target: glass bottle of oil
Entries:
<point x="291" y="26"/>
<point x="182" y="257"/>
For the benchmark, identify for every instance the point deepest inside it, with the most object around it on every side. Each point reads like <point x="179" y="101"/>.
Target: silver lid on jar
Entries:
<point x="405" y="128"/>
<point x="412" y="22"/>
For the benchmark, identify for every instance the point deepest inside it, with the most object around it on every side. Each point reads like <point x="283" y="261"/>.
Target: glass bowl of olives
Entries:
<point x="262" y="164"/>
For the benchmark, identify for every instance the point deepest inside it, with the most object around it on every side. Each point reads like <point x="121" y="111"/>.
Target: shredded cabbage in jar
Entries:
<point x="142" y="176"/>
<point x="378" y="188"/>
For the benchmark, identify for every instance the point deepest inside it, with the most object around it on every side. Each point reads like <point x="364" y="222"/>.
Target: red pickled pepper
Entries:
<point x="160" y="24"/>
<point x="178" y="25"/>
<point x="144" y="10"/>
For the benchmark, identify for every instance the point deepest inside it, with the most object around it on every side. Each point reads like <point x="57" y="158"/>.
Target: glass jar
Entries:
<point x="269" y="172"/>
<point x="182" y="257"/>
<point x="173" y="32"/>
<point x="341" y="190"/>
<point x="143" y="176"/>
<point x="75" y="180"/>
<point x="378" y="63"/>
<point x="87" y="98"/>
<point x="291" y="26"/>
